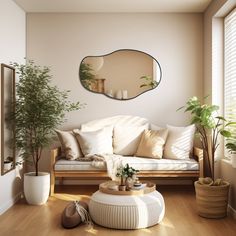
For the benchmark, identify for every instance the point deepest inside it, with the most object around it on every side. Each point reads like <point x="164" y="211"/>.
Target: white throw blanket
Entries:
<point x="111" y="161"/>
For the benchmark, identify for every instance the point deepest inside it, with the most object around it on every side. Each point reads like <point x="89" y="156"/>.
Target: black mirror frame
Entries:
<point x="3" y="115"/>
<point x="110" y="54"/>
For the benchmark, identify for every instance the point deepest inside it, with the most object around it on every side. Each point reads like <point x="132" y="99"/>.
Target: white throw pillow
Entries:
<point x="69" y="144"/>
<point x="127" y="138"/>
<point x="95" y="142"/>
<point x="88" y="128"/>
<point x="155" y="127"/>
<point x="179" y="142"/>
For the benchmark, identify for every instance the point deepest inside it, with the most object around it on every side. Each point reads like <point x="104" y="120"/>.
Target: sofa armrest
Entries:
<point x="55" y="152"/>
<point x="198" y="156"/>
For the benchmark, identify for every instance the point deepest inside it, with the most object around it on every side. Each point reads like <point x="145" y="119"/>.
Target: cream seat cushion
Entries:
<point x="179" y="142"/>
<point x="69" y="144"/>
<point x="127" y="138"/>
<point x="152" y="143"/>
<point x="138" y="163"/>
<point x="95" y="142"/>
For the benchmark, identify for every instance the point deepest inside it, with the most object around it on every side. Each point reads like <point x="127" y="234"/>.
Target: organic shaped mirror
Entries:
<point x="7" y="127"/>
<point x="122" y="74"/>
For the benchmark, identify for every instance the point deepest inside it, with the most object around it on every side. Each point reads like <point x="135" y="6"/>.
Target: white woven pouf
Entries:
<point x="127" y="212"/>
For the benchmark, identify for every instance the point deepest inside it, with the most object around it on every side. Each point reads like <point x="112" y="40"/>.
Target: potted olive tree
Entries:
<point x="231" y="146"/>
<point x="39" y="109"/>
<point x="211" y="194"/>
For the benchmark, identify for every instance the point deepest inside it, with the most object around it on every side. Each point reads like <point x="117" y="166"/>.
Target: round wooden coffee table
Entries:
<point x="133" y="209"/>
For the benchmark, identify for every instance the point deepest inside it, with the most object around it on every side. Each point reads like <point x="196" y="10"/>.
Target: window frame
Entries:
<point x="231" y="16"/>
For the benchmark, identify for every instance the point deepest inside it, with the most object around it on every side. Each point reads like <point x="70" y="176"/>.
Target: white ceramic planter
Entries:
<point x="233" y="160"/>
<point x="36" y="188"/>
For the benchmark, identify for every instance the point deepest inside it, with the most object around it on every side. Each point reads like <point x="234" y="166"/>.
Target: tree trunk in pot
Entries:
<point x="36" y="188"/>
<point x="212" y="201"/>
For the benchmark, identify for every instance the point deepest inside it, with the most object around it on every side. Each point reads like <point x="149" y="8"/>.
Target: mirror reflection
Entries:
<point x="7" y="127"/>
<point x="123" y="74"/>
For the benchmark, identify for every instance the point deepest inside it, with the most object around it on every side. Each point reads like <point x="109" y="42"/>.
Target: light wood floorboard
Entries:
<point x="180" y="218"/>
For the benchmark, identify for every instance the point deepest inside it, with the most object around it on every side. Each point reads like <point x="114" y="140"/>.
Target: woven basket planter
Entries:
<point x="212" y="201"/>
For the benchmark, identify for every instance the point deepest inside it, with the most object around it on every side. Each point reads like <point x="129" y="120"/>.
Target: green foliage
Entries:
<point x="206" y="120"/>
<point x="231" y="145"/>
<point x="149" y="82"/>
<point x="126" y="171"/>
<point x="39" y="109"/>
<point x="86" y="75"/>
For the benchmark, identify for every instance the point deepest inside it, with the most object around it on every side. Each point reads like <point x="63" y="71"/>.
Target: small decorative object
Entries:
<point x="125" y="172"/>
<point x="8" y="164"/>
<point x="75" y="213"/>
<point x="124" y="94"/>
<point x="122" y="187"/>
<point x="212" y="197"/>
<point x="231" y="146"/>
<point x="129" y="183"/>
<point x="139" y="186"/>
<point x="119" y="94"/>
<point x="137" y="183"/>
<point x="110" y="93"/>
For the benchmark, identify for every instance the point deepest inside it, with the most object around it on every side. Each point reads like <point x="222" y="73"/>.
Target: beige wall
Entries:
<point x="208" y="45"/>
<point x="12" y="48"/>
<point x="61" y="41"/>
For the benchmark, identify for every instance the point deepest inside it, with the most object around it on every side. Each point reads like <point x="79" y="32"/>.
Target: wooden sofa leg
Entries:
<point x="52" y="186"/>
<point x="53" y="155"/>
<point x="61" y="181"/>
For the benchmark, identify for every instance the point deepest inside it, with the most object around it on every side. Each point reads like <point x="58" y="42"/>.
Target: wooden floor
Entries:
<point x="180" y="217"/>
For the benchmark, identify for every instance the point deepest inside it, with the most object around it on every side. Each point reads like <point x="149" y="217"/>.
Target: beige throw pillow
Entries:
<point x="127" y="138"/>
<point x="151" y="144"/>
<point x="69" y="144"/>
<point x="95" y="142"/>
<point x="179" y="142"/>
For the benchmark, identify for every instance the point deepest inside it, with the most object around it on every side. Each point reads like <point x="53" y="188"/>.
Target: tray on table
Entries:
<point x="106" y="187"/>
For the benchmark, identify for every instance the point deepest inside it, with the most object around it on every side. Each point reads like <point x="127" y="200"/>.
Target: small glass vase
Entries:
<point x="129" y="183"/>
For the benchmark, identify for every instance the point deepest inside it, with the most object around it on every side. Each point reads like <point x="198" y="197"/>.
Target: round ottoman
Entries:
<point x="127" y="212"/>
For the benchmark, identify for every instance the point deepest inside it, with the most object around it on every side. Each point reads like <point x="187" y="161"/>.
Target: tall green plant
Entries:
<point x="39" y="109"/>
<point x="209" y="126"/>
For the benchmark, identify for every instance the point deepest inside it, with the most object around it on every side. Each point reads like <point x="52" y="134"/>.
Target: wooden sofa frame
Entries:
<point x="55" y="153"/>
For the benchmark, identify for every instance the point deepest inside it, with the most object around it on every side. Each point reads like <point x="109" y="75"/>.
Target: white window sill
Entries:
<point x="228" y="162"/>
